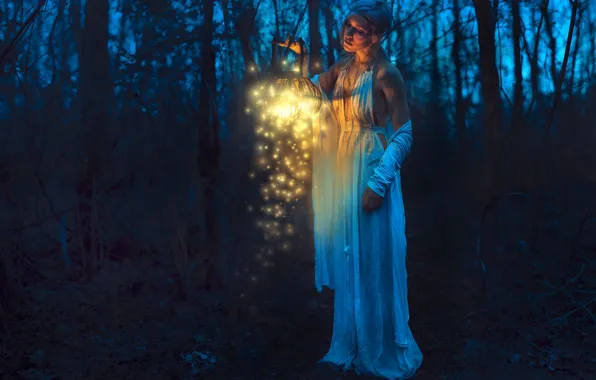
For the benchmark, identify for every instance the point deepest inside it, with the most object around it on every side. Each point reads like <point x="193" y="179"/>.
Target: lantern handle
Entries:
<point x="287" y="42"/>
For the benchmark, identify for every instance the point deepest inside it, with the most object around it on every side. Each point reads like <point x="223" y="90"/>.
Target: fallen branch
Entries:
<point x="586" y="309"/>
<point x="574" y="310"/>
<point x="40" y="221"/>
<point x="563" y="288"/>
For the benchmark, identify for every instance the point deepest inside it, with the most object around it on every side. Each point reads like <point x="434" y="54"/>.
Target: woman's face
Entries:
<point x="358" y="34"/>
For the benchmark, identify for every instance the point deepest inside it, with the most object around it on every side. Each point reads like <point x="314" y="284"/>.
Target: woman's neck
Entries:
<point x="365" y="56"/>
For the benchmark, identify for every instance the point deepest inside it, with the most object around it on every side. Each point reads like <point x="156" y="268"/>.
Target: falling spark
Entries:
<point x="283" y="143"/>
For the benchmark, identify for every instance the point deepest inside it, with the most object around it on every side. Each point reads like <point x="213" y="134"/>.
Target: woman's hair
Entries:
<point x="376" y="12"/>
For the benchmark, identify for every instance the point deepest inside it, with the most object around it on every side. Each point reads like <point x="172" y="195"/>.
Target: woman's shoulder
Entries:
<point x="387" y="73"/>
<point x="327" y="79"/>
<point x="384" y="67"/>
<point x="340" y="63"/>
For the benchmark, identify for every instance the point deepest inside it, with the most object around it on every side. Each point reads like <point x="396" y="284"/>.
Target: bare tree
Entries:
<point x="561" y="77"/>
<point x="489" y="75"/>
<point x="228" y="37"/>
<point x="209" y="143"/>
<point x="592" y="55"/>
<point x="460" y="108"/>
<point x="315" y="64"/>
<point x="334" y="47"/>
<point x="434" y="51"/>
<point x="244" y="27"/>
<point x="276" y="10"/>
<point x="74" y="13"/>
<point x="534" y="69"/>
<point x="518" y="97"/>
<point x="552" y="39"/>
<point x="399" y="30"/>
<point x="95" y="97"/>
<point x="546" y="170"/>
<point x="571" y="84"/>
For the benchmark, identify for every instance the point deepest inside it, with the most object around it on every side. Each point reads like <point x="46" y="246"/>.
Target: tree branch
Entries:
<point x="19" y="35"/>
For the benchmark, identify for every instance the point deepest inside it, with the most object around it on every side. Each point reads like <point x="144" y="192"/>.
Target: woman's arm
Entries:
<point x="393" y="87"/>
<point x="327" y="78"/>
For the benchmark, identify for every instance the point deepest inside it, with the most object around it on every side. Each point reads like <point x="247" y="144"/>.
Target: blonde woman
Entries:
<point x="364" y="136"/>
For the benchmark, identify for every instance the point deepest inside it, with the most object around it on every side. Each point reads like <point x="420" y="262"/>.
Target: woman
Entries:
<point x="359" y="214"/>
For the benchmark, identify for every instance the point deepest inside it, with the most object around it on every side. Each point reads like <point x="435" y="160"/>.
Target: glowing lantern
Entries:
<point x="288" y="95"/>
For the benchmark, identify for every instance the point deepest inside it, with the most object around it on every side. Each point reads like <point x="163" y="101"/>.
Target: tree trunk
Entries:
<point x="518" y="98"/>
<point x="561" y="77"/>
<point x="389" y="44"/>
<point x="95" y="93"/>
<point x="460" y="108"/>
<point x="546" y="168"/>
<point x="277" y="26"/>
<point x="490" y="86"/>
<point x="592" y="55"/>
<point x="570" y="87"/>
<point x="489" y="76"/>
<point x="74" y="14"/>
<point x="209" y="144"/>
<point x="552" y="41"/>
<point x="231" y="73"/>
<point x="535" y="71"/>
<point x="400" y="45"/>
<point x="516" y="154"/>
<point x="315" y="65"/>
<point x="434" y="51"/>
<point x="59" y="24"/>
<point x="334" y="47"/>
<point x="244" y="27"/>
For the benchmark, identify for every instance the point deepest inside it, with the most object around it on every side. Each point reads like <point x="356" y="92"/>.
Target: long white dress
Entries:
<point x="361" y="256"/>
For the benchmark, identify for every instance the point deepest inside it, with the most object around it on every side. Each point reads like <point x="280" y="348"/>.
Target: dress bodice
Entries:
<point x="360" y="101"/>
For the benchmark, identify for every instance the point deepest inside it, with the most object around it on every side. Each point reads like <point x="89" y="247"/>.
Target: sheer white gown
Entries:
<point x="362" y="257"/>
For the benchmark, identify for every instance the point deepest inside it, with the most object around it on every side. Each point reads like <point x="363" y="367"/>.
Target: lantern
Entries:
<point x="287" y="94"/>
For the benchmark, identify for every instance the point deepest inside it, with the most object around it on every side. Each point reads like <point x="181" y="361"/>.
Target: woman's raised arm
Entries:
<point x="326" y="78"/>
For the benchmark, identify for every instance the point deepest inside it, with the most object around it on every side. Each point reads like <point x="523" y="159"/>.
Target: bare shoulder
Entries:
<point x="339" y="65"/>
<point x="328" y="78"/>
<point x="389" y="76"/>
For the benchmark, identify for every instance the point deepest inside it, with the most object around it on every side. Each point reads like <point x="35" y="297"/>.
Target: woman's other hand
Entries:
<point x="371" y="200"/>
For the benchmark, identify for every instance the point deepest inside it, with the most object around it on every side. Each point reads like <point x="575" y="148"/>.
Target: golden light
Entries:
<point x="284" y="103"/>
<point x="286" y="95"/>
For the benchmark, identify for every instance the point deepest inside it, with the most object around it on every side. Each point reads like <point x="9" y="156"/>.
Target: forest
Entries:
<point x="130" y="246"/>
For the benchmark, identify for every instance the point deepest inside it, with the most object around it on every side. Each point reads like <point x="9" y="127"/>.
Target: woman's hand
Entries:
<point x="290" y="43"/>
<point x="371" y="200"/>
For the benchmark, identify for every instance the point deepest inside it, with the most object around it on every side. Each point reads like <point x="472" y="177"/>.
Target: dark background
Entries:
<point x="127" y="250"/>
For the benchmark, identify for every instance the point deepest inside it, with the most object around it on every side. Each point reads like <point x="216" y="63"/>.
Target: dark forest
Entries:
<point x="131" y="244"/>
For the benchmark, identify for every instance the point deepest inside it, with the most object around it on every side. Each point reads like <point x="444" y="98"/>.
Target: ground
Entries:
<point x="133" y="321"/>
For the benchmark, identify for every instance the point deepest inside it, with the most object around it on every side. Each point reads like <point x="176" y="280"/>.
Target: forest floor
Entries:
<point x="132" y="321"/>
